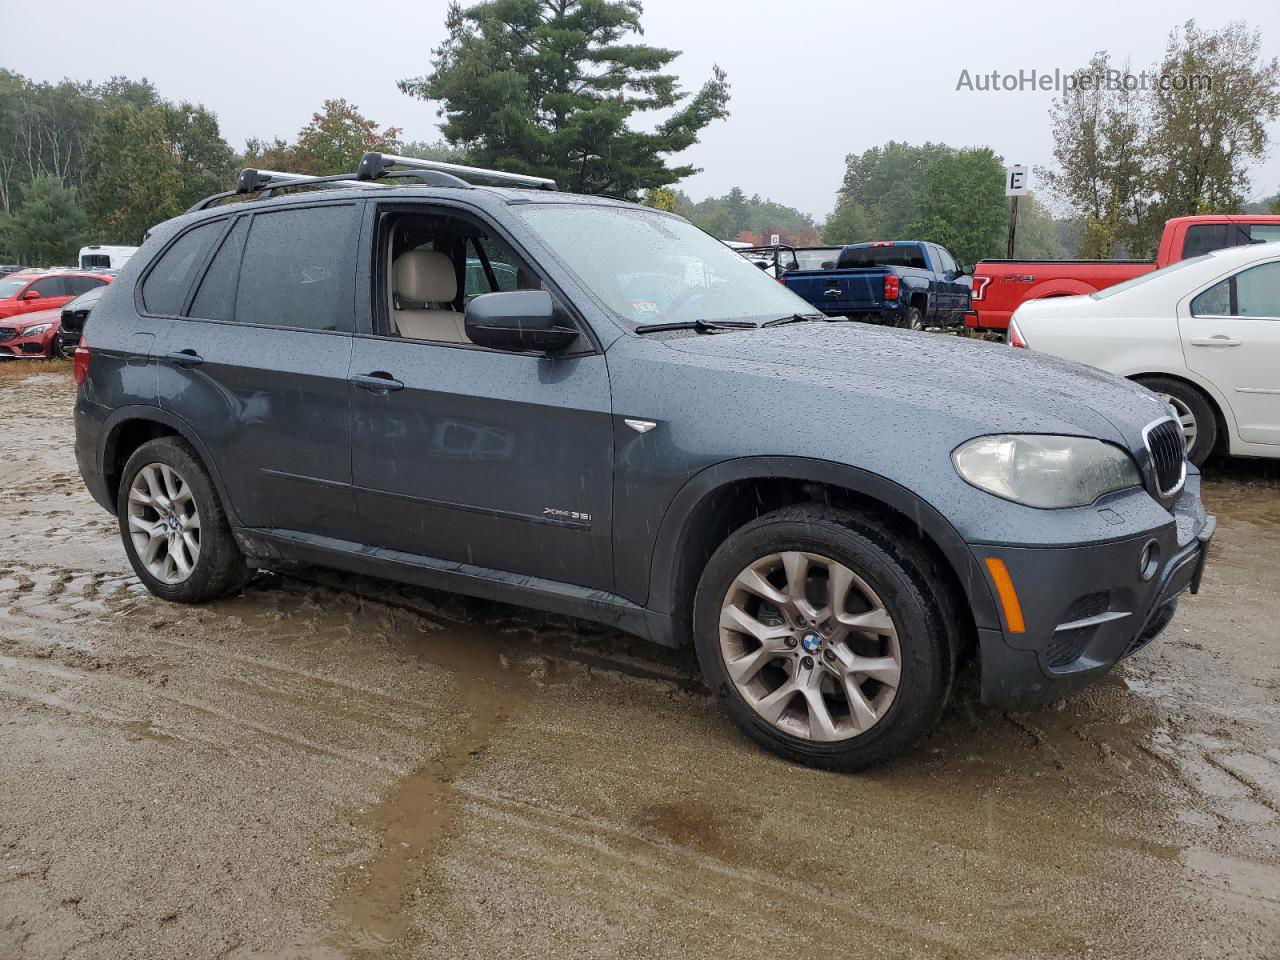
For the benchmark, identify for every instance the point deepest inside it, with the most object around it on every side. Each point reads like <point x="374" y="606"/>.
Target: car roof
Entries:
<point x="1247" y="251"/>
<point x="505" y="196"/>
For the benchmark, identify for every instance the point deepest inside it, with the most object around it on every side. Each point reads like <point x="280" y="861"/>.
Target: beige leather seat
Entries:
<point x="426" y="277"/>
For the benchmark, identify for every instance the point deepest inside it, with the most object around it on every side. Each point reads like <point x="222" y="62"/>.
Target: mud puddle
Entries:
<point x="327" y="767"/>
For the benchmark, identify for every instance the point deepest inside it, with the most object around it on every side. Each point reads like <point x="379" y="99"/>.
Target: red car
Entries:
<point x="31" y="309"/>
<point x="29" y="292"/>
<point x="1000" y="286"/>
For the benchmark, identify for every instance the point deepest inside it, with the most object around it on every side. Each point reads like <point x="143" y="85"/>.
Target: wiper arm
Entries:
<point x="794" y="318"/>
<point x="702" y="326"/>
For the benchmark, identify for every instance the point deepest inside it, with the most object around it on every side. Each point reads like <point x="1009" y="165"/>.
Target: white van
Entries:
<point x="98" y="257"/>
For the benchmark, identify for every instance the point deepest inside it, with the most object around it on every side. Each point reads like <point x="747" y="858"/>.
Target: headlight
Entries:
<point x="35" y="331"/>
<point x="1045" y="471"/>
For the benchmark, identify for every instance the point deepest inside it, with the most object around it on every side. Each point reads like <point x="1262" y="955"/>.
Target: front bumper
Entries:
<point x="31" y="347"/>
<point x="1085" y="608"/>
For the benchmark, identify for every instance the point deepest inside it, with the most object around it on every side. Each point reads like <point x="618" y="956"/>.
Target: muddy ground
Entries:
<point x="334" y="768"/>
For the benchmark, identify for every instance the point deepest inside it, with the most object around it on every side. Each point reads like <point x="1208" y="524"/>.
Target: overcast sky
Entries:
<point x="813" y="80"/>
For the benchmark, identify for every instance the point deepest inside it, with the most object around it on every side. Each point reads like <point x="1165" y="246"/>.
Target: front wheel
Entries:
<point x="813" y="628"/>
<point x="174" y="529"/>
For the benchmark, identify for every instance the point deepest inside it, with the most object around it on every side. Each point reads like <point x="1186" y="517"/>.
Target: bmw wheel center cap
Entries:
<point x="811" y="642"/>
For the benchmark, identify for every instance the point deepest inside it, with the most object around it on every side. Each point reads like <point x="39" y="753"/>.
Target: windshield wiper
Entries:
<point x="702" y="326"/>
<point x="794" y="318"/>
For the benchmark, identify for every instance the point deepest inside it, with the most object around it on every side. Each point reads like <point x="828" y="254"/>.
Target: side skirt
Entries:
<point x="290" y="546"/>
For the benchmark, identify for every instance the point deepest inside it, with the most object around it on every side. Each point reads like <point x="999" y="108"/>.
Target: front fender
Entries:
<point x="665" y="573"/>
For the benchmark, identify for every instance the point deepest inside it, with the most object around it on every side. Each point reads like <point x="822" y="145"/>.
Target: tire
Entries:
<point x="1199" y="420"/>
<point x="914" y="320"/>
<point x="188" y="515"/>
<point x="900" y="583"/>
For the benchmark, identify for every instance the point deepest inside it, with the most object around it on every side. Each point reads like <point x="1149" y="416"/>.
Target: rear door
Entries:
<point x="257" y="365"/>
<point x="497" y="460"/>
<point x="1231" y="337"/>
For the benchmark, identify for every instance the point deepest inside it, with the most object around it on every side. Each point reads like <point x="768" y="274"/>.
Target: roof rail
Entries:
<point x="375" y="165"/>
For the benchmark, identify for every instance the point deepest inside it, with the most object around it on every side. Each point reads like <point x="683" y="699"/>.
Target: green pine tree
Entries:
<point x="549" y="87"/>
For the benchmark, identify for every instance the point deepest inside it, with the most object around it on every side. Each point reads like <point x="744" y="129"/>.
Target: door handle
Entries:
<point x="1219" y="341"/>
<point x="185" y="358"/>
<point x="377" y="382"/>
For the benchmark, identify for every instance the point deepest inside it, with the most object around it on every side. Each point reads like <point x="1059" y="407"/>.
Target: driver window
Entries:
<point x="435" y="265"/>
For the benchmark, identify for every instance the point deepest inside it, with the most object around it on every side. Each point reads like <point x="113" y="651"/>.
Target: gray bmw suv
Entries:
<point x="593" y="408"/>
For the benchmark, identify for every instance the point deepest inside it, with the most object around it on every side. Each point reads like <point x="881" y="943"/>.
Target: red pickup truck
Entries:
<point x="999" y="286"/>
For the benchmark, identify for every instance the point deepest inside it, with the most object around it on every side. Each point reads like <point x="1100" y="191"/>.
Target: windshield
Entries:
<point x="9" y="286"/>
<point x="650" y="267"/>
<point x="1146" y="277"/>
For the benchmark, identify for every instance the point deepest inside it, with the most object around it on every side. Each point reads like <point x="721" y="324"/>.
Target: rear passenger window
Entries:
<point x="165" y="289"/>
<point x="216" y="298"/>
<point x="298" y="269"/>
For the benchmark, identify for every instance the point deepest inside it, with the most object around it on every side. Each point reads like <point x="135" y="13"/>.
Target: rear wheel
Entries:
<point x="813" y="629"/>
<point x="173" y="526"/>
<point x="914" y="319"/>
<point x="1194" y="412"/>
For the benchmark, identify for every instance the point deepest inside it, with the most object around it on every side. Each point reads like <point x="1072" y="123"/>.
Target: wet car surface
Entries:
<point x="333" y="767"/>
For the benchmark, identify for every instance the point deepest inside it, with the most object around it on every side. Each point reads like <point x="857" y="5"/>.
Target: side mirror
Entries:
<point x="31" y="295"/>
<point x="828" y="264"/>
<point x="518" y="320"/>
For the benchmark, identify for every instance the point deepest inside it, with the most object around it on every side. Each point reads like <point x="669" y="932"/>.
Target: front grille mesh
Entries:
<point x="8" y="333"/>
<point x="1166" y="444"/>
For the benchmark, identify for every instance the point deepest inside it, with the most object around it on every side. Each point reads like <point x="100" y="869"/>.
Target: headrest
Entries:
<point x="424" y="276"/>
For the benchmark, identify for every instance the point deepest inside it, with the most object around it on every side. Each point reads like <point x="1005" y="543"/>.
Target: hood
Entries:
<point x="898" y="376"/>
<point x="24" y="320"/>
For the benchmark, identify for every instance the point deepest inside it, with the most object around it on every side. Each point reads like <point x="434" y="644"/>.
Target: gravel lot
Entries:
<point x="328" y="767"/>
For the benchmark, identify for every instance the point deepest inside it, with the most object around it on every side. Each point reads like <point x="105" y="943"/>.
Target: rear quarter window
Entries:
<point x="165" y="289"/>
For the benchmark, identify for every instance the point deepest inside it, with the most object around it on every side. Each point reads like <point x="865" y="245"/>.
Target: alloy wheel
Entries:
<point x="164" y="523"/>
<point x="1190" y="429"/>
<point x="810" y="646"/>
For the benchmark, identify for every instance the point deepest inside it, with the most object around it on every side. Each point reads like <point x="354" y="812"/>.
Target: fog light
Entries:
<point x="1149" y="560"/>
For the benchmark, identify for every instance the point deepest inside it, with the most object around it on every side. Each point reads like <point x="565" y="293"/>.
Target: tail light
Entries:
<point x="1016" y="338"/>
<point x="980" y="287"/>
<point x="80" y="364"/>
<point x="891" y="287"/>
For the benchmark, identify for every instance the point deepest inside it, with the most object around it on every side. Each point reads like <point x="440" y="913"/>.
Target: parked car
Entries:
<point x="1204" y="333"/>
<point x="901" y="283"/>
<point x="99" y="256"/>
<point x="1000" y="286"/>
<point x="28" y="335"/>
<point x="71" y="322"/>
<point x="8" y="268"/>
<point x="833" y="515"/>
<point x="22" y="293"/>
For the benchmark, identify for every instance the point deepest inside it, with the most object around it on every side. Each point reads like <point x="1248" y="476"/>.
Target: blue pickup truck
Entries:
<point x="901" y="283"/>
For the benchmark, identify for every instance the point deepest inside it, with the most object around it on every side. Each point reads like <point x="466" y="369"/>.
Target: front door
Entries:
<point x="493" y="459"/>
<point x="1231" y="337"/>
<point x="257" y="365"/>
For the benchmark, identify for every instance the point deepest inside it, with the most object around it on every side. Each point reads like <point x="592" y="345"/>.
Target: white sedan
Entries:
<point x="1203" y="332"/>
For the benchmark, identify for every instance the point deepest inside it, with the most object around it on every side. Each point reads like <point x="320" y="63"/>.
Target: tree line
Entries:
<point x="555" y="88"/>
